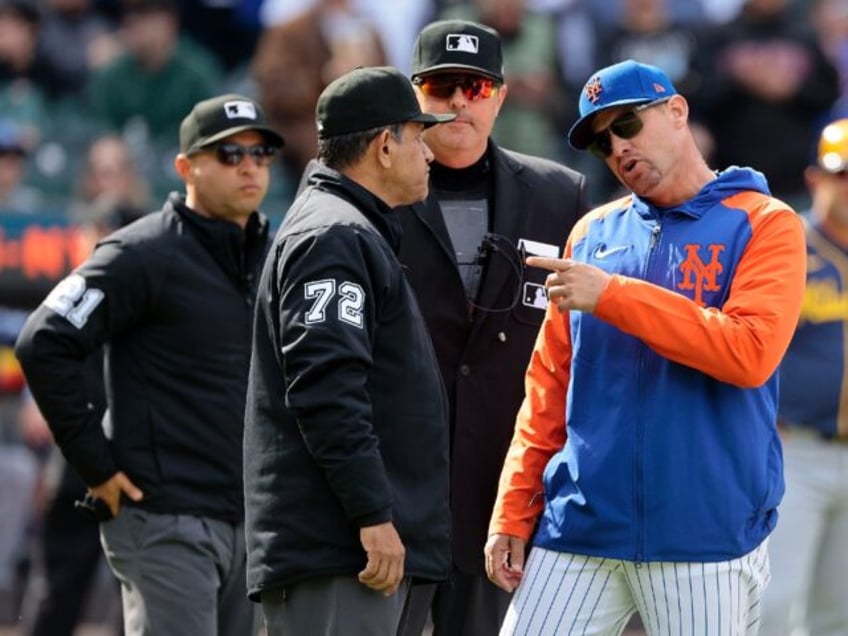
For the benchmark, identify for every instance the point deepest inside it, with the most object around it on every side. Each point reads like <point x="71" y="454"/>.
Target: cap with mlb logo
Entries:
<point x="459" y="45"/>
<point x="214" y="119"/>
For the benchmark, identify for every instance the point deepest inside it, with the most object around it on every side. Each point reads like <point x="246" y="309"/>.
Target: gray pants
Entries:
<point x="333" y="606"/>
<point x="180" y="575"/>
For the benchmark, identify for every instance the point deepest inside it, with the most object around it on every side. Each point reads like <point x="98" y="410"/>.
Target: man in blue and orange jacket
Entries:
<point x="646" y="465"/>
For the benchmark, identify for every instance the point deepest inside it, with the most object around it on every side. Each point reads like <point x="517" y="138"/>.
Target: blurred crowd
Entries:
<point x="765" y="75"/>
<point x="92" y="93"/>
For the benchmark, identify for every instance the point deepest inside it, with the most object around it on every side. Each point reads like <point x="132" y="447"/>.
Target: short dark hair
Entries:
<point x="342" y="151"/>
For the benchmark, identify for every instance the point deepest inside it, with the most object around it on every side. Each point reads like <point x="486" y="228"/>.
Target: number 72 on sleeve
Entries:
<point x="349" y="305"/>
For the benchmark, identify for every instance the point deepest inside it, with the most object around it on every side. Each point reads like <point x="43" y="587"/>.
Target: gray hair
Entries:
<point x="342" y="151"/>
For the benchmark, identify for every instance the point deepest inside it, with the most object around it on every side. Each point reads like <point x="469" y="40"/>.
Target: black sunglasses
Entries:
<point x="625" y="126"/>
<point x="473" y="87"/>
<point x="232" y="154"/>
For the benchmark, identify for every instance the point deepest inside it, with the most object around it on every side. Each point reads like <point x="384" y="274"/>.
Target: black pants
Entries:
<point x="468" y="605"/>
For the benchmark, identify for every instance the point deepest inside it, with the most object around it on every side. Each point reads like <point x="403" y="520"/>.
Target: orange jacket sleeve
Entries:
<point x="742" y="342"/>
<point x="539" y="429"/>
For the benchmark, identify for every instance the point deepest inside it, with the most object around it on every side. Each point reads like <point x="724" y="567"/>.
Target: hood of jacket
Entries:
<point x="727" y="182"/>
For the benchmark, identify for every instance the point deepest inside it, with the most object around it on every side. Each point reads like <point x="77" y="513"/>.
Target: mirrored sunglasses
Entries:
<point x="473" y="87"/>
<point x="625" y="126"/>
<point x="232" y="154"/>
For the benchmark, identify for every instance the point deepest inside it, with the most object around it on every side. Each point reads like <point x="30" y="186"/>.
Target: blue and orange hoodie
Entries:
<point x="648" y="429"/>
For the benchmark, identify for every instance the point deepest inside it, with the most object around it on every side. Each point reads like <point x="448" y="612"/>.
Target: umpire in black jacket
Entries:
<point x="464" y="250"/>
<point x="346" y="440"/>
<point x="170" y="298"/>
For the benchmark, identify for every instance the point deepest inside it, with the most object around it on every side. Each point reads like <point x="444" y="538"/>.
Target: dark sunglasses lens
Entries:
<point x="625" y="127"/>
<point x="601" y="146"/>
<point x="232" y="154"/>
<point x="263" y="154"/>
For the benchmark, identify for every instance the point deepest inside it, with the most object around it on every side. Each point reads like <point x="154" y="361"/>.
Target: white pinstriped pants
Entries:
<point x="564" y="593"/>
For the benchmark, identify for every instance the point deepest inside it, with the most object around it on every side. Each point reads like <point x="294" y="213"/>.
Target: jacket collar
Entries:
<point x="237" y="251"/>
<point x="371" y="206"/>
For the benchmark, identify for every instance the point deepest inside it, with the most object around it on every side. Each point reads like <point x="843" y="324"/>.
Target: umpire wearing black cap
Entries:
<point x="171" y="297"/>
<point x="464" y="250"/>
<point x="346" y="440"/>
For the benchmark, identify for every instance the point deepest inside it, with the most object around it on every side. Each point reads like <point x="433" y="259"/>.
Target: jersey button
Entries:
<point x="465" y="369"/>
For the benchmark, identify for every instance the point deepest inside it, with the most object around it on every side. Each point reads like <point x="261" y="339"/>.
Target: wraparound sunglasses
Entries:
<point x="625" y="126"/>
<point x="473" y="87"/>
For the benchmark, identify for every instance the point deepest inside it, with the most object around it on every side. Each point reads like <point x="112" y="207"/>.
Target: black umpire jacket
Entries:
<point x="346" y="421"/>
<point x="171" y="298"/>
<point x="483" y="354"/>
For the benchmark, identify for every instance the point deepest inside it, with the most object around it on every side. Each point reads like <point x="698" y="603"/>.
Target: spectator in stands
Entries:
<point x="110" y="188"/>
<point x="24" y="80"/>
<point x="18" y="468"/>
<point x="159" y="77"/>
<point x="223" y="28"/>
<point x="297" y="58"/>
<point x="767" y="86"/>
<point x="397" y="23"/>
<point x="646" y="32"/>
<point x="830" y="21"/>
<point x="75" y="39"/>
<point x="15" y="195"/>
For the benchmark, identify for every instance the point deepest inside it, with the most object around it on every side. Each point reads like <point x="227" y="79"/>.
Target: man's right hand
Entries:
<point x="384" y="570"/>
<point x="505" y="560"/>
<point x="110" y="491"/>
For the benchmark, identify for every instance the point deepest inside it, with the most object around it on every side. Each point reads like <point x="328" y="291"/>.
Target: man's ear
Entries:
<point x="182" y="164"/>
<point x="680" y="109"/>
<point x="383" y="148"/>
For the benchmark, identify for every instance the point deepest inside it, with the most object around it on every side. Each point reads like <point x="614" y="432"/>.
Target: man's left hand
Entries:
<point x="572" y="285"/>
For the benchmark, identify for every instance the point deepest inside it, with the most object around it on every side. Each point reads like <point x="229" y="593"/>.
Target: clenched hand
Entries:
<point x="384" y="570"/>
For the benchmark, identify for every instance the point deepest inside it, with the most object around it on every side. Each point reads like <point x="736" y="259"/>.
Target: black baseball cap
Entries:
<point x="460" y="45"/>
<point x="213" y="119"/>
<point x="367" y="98"/>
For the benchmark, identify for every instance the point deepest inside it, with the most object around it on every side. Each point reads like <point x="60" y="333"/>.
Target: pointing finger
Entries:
<point x="551" y="264"/>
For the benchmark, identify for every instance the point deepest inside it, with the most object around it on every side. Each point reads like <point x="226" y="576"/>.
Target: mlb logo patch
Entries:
<point x="535" y="296"/>
<point x="462" y="42"/>
<point x="240" y="109"/>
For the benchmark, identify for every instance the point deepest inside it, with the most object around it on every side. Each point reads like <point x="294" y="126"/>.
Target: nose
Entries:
<point x="458" y="97"/>
<point x="618" y="144"/>
<point x="428" y="154"/>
